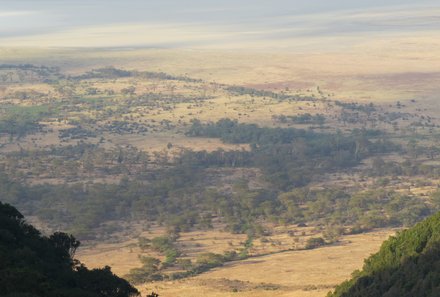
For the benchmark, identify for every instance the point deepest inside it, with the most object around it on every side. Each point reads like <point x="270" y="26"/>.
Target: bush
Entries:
<point x="210" y="259"/>
<point x="314" y="242"/>
<point x="147" y="273"/>
<point x="144" y="243"/>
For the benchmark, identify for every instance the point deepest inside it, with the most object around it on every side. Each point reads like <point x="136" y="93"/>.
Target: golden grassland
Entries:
<point x="191" y="244"/>
<point x="385" y="68"/>
<point x="384" y="71"/>
<point x="286" y="273"/>
<point x="244" y="108"/>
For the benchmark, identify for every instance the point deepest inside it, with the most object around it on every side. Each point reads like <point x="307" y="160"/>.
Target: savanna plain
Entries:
<point x="223" y="173"/>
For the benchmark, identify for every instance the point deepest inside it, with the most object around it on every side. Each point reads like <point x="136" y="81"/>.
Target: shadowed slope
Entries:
<point x="33" y="265"/>
<point x="406" y="265"/>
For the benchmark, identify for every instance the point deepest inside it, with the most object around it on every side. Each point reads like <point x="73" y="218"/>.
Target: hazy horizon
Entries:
<point x="214" y="24"/>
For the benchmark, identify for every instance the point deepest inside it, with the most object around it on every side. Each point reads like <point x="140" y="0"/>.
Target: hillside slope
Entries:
<point x="406" y="265"/>
<point x="33" y="265"/>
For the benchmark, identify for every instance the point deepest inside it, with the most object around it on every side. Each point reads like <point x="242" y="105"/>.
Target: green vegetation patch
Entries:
<point x="35" y="265"/>
<point x="406" y="265"/>
<point x="17" y="120"/>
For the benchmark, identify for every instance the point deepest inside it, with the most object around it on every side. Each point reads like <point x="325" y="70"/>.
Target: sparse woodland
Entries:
<point x="73" y="155"/>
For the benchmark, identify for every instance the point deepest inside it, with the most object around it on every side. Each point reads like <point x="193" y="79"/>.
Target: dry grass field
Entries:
<point x="289" y="273"/>
<point x="383" y="71"/>
<point x="386" y="68"/>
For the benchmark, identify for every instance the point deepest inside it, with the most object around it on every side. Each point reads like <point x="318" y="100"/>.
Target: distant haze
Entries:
<point x="226" y="24"/>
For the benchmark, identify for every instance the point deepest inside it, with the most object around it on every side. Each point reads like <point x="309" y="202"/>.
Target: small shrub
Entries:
<point x="314" y="242"/>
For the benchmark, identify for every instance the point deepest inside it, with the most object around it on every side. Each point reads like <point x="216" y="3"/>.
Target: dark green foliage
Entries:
<point x="29" y="73"/>
<point x="34" y="265"/>
<point x="366" y="108"/>
<point x="166" y="246"/>
<point x="76" y="133"/>
<point x="230" y="131"/>
<point x="64" y="242"/>
<point x="175" y="194"/>
<point x="407" y="265"/>
<point x="239" y="90"/>
<point x="314" y="242"/>
<point x="151" y="268"/>
<point x="210" y="260"/>
<point x="176" y="198"/>
<point x="305" y="118"/>
<point x="112" y="73"/>
<point x="147" y="273"/>
<point x="169" y="198"/>
<point x="108" y="72"/>
<point x="407" y="168"/>
<point x="19" y="121"/>
<point x="290" y="157"/>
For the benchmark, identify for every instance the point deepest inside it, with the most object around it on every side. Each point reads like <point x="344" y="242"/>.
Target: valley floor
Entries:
<point x="295" y="273"/>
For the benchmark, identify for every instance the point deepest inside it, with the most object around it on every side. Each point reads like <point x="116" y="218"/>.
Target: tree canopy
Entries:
<point x="406" y="265"/>
<point x="33" y="265"/>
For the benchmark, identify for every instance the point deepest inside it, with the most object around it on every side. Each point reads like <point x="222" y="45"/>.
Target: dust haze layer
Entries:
<point x="227" y="24"/>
